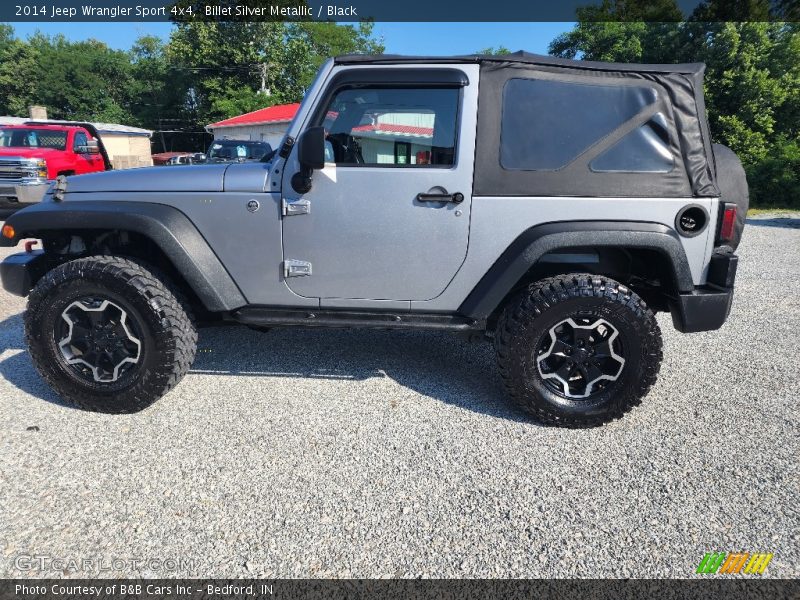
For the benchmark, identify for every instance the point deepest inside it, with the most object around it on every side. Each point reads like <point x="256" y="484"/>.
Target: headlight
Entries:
<point x="41" y="168"/>
<point x="36" y="168"/>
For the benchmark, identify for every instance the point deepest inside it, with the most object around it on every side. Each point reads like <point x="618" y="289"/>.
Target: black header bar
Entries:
<point x="42" y="11"/>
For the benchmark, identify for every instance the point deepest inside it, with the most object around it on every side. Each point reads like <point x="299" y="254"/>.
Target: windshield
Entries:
<point x="238" y="150"/>
<point x="32" y="138"/>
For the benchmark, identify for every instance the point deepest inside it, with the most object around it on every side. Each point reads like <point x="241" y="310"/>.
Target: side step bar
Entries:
<point x="278" y="317"/>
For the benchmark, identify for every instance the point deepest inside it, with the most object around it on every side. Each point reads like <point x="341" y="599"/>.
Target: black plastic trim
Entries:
<point x="18" y="272"/>
<point x="722" y="270"/>
<point x="279" y="317"/>
<point x="537" y="241"/>
<point x="704" y="309"/>
<point x="417" y="77"/>
<point x="166" y="226"/>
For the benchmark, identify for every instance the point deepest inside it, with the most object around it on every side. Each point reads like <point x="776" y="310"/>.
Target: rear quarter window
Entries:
<point x="547" y="124"/>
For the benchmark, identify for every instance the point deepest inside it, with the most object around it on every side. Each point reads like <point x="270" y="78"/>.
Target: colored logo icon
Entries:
<point x="734" y="563"/>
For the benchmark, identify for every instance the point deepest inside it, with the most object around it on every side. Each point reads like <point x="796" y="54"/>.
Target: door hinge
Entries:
<point x="296" y="268"/>
<point x="300" y="207"/>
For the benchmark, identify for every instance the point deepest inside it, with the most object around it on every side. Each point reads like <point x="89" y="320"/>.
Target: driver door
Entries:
<point x="388" y="216"/>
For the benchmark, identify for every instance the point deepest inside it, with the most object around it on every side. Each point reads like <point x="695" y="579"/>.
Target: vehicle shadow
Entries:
<point x="17" y="369"/>
<point x="442" y="366"/>
<point x="439" y="365"/>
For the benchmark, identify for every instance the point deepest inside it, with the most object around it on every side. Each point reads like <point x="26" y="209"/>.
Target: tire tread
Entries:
<point x="545" y="294"/>
<point x="178" y="333"/>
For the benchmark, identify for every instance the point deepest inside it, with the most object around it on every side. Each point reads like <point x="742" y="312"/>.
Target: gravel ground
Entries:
<point x="379" y="454"/>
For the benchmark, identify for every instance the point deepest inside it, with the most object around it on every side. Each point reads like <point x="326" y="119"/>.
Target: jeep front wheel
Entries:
<point x="578" y="350"/>
<point x="109" y="335"/>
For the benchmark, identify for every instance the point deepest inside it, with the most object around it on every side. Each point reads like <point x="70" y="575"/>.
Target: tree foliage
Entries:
<point x="204" y="73"/>
<point x="752" y="83"/>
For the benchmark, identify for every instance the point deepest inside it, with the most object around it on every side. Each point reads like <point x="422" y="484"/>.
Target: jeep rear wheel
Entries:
<point x="109" y="335"/>
<point x="578" y="350"/>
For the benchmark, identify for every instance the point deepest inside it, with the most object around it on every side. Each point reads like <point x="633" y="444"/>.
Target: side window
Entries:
<point x="80" y="140"/>
<point x="643" y="150"/>
<point x="546" y="124"/>
<point x="403" y="127"/>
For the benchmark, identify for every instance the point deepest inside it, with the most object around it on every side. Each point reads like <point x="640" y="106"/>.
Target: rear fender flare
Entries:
<point x="532" y="244"/>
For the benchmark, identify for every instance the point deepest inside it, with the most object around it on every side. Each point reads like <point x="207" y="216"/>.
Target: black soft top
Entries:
<point x="678" y="89"/>
<point x="520" y="57"/>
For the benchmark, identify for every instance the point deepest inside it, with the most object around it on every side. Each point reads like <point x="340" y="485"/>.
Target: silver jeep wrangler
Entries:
<point x="547" y="204"/>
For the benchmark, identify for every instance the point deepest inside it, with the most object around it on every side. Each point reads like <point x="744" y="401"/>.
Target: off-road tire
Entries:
<point x="533" y="313"/>
<point x="168" y="334"/>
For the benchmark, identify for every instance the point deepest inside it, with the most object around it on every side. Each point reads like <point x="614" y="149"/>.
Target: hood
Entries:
<point x="189" y="178"/>
<point x="29" y="152"/>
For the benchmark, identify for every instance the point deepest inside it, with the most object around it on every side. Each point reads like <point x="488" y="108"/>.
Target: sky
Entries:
<point x="399" y="38"/>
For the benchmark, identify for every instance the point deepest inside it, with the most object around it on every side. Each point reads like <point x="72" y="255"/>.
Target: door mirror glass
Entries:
<point x="311" y="148"/>
<point x="90" y="147"/>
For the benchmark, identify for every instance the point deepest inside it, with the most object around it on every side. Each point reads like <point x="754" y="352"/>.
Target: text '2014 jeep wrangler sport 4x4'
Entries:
<point x="551" y="204"/>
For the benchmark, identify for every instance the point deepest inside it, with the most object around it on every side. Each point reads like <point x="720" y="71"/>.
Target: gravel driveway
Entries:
<point x="373" y="454"/>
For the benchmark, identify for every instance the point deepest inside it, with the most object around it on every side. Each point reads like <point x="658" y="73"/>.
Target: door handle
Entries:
<point x="456" y="198"/>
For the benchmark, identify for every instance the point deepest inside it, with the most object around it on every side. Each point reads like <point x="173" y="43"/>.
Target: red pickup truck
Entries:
<point x="32" y="154"/>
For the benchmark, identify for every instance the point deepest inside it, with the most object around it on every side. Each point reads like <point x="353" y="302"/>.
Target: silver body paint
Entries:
<point x="371" y="244"/>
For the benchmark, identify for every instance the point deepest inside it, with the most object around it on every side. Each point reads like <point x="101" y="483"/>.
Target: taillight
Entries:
<point x="726" y="230"/>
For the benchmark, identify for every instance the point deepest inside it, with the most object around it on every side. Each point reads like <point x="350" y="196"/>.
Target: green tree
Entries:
<point x="81" y="80"/>
<point x="157" y="90"/>
<point x="492" y="51"/>
<point x="17" y="68"/>
<point x="229" y="61"/>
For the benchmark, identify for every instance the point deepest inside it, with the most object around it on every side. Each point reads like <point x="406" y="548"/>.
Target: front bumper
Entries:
<point x="20" y="272"/>
<point x="707" y="307"/>
<point x="18" y="196"/>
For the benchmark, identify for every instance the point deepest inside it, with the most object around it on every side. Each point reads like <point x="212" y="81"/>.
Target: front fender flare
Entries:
<point x="537" y="241"/>
<point x="166" y="226"/>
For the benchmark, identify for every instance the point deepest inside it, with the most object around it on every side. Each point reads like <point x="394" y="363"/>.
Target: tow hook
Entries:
<point x="29" y="245"/>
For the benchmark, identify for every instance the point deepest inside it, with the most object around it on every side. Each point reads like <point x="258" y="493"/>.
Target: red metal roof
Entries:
<point x="394" y="128"/>
<point x="281" y="113"/>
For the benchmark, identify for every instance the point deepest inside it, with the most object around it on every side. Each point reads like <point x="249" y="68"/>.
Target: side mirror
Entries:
<point x="91" y="147"/>
<point x="311" y="148"/>
<point x="311" y="155"/>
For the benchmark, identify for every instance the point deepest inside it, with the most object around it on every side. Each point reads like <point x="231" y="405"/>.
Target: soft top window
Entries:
<point x="643" y="150"/>
<point x="546" y="124"/>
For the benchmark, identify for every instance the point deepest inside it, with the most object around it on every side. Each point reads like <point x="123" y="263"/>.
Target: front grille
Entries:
<point x="13" y="169"/>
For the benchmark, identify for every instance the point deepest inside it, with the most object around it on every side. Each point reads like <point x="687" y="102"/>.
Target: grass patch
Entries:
<point x="753" y="212"/>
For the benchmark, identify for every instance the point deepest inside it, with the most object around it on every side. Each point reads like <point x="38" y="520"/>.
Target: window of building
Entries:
<point x="546" y="124"/>
<point x="401" y="127"/>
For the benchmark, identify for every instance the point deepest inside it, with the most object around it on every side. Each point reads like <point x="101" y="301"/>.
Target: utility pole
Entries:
<point x="264" y="68"/>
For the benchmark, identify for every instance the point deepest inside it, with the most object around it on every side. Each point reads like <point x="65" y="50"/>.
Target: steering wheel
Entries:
<point x="346" y="149"/>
